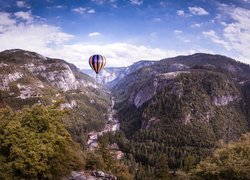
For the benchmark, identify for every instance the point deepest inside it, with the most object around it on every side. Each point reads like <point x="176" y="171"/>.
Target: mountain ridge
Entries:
<point x="181" y="107"/>
<point x="27" y="78"/>
<point x="112" y="75"/>
<point x="171" y="110"/>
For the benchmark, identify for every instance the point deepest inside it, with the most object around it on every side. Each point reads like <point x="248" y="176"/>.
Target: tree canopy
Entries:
<point x="231" y="161"/>
<point x="35" y="145"/>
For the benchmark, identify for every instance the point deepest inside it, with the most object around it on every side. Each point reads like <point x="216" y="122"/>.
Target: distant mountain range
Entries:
<point x="111" y="75"/>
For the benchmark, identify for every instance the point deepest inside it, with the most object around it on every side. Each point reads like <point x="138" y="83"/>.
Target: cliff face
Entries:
<point x="31" y="74"/>
<point x="110" y="76"/>
<point x="180" y="108"/>
<point x="186" y="92"/>
<point x="17" y="64"/>
<point x="27" y="78"/>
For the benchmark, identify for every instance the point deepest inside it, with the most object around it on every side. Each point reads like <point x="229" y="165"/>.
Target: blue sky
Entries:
<point x="126" y="31"/>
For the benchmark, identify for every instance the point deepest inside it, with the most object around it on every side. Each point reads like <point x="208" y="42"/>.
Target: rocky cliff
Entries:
<point x="182" y="106"/>
<point x="27" y="78"/>
<point x="110" y="76"/>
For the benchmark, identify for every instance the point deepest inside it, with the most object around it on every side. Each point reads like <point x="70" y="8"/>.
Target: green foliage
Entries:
<point x="189" y="163"/>
<point x="35" y="145"/>
<point x="180" y="122"/>
<point x="230" y="161"/>
<point x="103" y="159"/>
<point x="87" y="116"/>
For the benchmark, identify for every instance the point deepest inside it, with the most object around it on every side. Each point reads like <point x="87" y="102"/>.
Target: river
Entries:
<point x="112" y="125"/>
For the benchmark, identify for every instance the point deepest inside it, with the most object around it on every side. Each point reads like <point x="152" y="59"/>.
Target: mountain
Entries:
<point x="27" y="78"/>
<point x="172" y="113"/>
<point x="181" y="107"/>
<point x="106" y="75"/>
<point x="110" y="76"/>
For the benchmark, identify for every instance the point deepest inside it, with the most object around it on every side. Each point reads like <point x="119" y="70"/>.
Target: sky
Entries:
<point x="126" y="31"/>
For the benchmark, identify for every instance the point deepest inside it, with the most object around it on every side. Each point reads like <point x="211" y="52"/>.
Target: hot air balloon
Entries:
<point x="97" y="62"/>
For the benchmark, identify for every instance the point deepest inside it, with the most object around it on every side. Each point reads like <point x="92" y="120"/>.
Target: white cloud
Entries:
<point x="187" y="40"/>
<point x="237" y="33"/>
<point x="235" y="36"/>
<point x="94" y="34"/>
<point x="100" y="2"/>
<point x="27" y="16"/>
<point x="32" y="36"/>
<point x="6" y="20"/>
<point x="80" y="10"/>
<point x="216" y="39"/>
<point x="59" y="7"/>
<point x="196" y="25"/>
<point x="117" y="54"/>
<point x="180" y="13"/>
<point x="136" y="2"/>
<point x="51" y="41"/>
<point x="198" y="11"/>
<point x="178" y="31"/>
<point x="22" y="4"/>
<point x="91" y="11"/>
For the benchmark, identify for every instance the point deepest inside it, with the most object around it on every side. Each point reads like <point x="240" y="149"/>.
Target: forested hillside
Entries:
<point x="27" y="78"/>
<point x="173" y="114"/>
<point x="179" y="112"/>
<point x="48" y="109"/>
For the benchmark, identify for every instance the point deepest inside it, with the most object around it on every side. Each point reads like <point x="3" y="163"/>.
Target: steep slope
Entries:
<point x="246" y="92"/>
<point x="206" y="61"/>
<point x="110" y="76"/>
<point x="27" y="78"/>
<point x="182" y="106"/>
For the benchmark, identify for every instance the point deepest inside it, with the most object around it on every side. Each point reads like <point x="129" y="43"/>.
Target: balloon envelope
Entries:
<point x="97" y="62"/>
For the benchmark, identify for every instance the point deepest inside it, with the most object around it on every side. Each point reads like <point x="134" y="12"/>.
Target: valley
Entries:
<point x="162" y="119"/>
<point x="112" y="125"/>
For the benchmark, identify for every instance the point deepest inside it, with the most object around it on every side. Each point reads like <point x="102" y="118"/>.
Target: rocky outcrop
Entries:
<point x="224" y="100"/>
<point x="27" y="92"/>
<point x="144" y="95"/>
<point x="70" y="105"/>
<point x="76" y="175"/>
<point x="64" y="79"/>
<point x="171" y="75"/>
<point x="82" y="175"/>
<point x="149" y="90"/>
<point x="178" y="67"/>
<point x="59" y="75"/>
<point x="101" y="175"/>
<point x="6" y="79"/>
